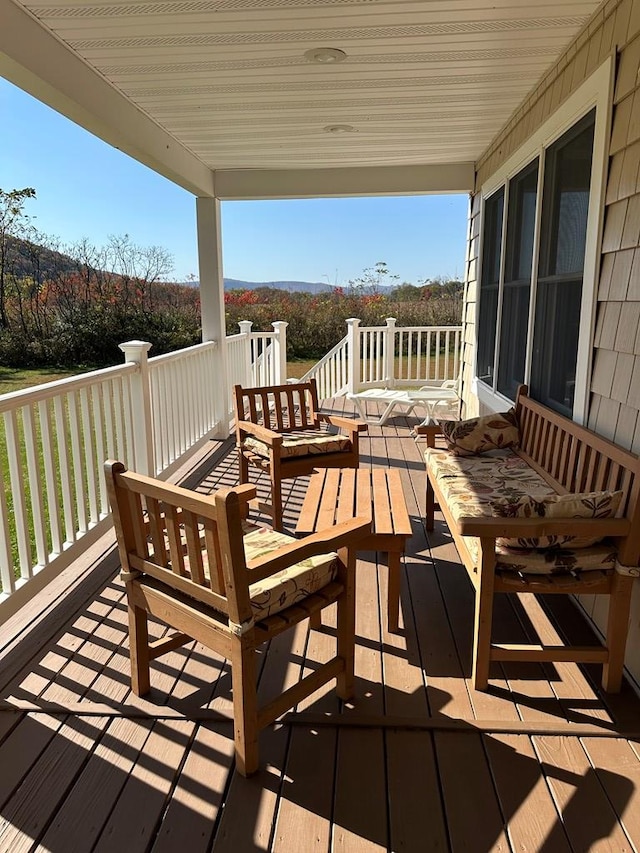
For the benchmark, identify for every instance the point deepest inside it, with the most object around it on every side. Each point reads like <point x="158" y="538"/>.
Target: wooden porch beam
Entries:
<point x="239" y="184"/>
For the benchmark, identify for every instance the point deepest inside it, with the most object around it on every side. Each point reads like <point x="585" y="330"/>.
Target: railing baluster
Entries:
<point x="98" y="427"/>
<point x="18" y="493"/>
<point x="64" y="460"/>
<point x="76" y="456"/>
<point x="88" y="438"/>
<point x="51" y="481"/>
<point x="7" y="575"/>
<point x="34" y="479"/>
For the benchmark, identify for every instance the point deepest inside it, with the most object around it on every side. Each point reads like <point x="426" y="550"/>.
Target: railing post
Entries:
<point x="353" y="355"/>
<point x="389" y="352"/>
<point x="245" y="329"/>
<point x="136" y="352"/>
<point x="280" y="352"/>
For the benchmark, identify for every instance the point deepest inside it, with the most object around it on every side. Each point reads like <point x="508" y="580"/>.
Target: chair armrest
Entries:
<point x="269" y="436"/>
<point x="512" y="528"/>
<point x="348" y="424"/>
<point x="321" y="542"/>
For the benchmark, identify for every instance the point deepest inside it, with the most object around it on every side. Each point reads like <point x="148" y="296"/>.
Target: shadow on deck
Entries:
<point x="86" y="766"/>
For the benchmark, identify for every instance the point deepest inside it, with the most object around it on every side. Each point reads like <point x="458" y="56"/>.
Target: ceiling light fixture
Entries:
<point x="339" y="128"/>
<point x="324" y="55"/>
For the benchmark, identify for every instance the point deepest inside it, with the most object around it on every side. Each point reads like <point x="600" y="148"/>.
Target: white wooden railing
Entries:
<point x="331" y="372"/>
<point x="390" y="356"/>
<point x="55" y="437"/>
<point x="184" y="406"/>
<point x="257" y="358"/>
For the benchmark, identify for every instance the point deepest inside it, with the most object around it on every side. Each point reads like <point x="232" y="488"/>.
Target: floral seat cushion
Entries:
<point x="286" y="587"/>
<point x="548" y="561"/>
<point x="302" y="443"/>
<point x="471" y="485"/>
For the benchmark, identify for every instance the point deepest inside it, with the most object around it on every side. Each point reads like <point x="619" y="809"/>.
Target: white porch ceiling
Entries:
<point x="224" y="84"/>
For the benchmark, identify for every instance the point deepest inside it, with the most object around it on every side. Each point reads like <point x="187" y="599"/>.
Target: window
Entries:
<point x="516" y="292"/>
<point x="538" y="260"/>
<point x="489" y="284"/>
<point x="565" y="207"/>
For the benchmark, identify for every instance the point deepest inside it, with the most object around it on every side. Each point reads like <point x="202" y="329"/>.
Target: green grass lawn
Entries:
<point x="15" y="378"/>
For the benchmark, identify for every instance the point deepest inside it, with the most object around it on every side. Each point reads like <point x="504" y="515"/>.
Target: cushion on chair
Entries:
<point x="285" y="588"/>
<point x="303" y="443"/>
<point x="478" y="435"/>
<point x="587" y="505"/>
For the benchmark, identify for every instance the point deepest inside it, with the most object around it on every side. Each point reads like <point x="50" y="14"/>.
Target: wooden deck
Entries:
<point x="536" y="766"/>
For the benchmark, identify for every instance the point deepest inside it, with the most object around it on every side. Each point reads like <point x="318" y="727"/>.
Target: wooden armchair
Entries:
<point x="278" y="429"/>
<point x="194" y="562"/>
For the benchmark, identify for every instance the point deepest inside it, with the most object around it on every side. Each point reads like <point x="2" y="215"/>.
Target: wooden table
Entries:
<point x="337" y="494"/>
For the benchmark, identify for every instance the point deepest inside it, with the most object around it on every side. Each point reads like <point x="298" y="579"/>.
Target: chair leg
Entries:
<point x="243" y="466"/>
<point x="617" y="628"/>
<point x="139" y="650"/>
<point x="245" y="707"/>
<point x="276" y="499"/>
<point x="347" y="626"/>
<point x="483" y="615"/>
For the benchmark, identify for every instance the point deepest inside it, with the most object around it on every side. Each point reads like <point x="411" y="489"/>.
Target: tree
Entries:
<point x="373" y="278"/>
<point x="13" y="223"/>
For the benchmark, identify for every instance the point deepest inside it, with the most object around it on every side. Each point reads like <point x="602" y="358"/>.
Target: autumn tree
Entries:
<point x="13" y="224"/>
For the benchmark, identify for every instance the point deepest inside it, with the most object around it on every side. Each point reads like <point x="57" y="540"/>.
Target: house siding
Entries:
<point x="614" y="404"/>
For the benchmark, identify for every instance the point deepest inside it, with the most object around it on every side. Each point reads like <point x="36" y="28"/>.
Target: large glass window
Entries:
<point x="565" y="206"/>
<point x="489" y="285"/>
<point x="521" y="221"/>
<point x="551" y="278"/>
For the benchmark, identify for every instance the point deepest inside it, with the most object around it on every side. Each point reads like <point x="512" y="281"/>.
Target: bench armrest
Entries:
<point x="528" y="528"/>
<point x="323" y="541"/>
<point x="430" y="431"/>
<point x="348" y="424"/>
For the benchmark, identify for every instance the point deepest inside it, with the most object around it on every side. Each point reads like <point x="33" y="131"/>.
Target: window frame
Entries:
<point x="596" y="91"/>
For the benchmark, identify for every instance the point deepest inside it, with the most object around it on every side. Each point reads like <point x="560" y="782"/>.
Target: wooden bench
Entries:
<point x="571" y="459"/>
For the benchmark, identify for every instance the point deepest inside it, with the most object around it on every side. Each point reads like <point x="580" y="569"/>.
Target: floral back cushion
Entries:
<point x="587" y="505"/>
<point x="478" y="435"/>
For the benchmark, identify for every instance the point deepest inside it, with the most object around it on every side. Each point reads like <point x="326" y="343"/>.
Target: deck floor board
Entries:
<point x="100" y="780"/>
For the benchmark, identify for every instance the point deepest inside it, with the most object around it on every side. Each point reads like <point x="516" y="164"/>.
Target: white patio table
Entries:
<point x="429" y="396"/>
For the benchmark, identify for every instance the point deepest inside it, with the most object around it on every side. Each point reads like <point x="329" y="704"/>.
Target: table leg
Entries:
<point x="393" y="591"/>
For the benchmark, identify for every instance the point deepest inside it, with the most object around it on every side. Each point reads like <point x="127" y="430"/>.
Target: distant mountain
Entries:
<point x="297" y="286"/>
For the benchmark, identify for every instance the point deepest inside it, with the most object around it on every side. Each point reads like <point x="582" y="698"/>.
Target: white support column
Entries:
<point x="245" y="329"/>
<point x="389" y="352"/>
<point x="212" y="303"/>
<point x="280" y="351"/>
<point x="136" y="352"/>
<point x="353" y="350"/>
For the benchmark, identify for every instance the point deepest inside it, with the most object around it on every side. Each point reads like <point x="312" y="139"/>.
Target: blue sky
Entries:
<point x="86" y="188"/>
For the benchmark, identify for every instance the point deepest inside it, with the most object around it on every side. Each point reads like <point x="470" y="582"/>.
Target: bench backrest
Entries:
<point x="282" y="408"/>
<point x="576" y="459"/>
